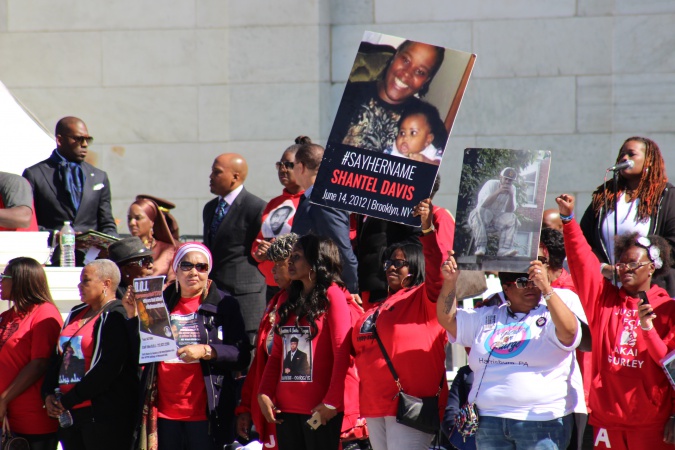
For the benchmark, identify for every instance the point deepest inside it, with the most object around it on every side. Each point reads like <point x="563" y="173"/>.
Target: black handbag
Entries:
<point x="414" y="412"/>
<point x="10" y="442"/>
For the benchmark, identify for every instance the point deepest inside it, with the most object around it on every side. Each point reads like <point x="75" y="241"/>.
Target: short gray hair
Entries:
<point x="107" y="270"/>
<point x="282" y="247"/>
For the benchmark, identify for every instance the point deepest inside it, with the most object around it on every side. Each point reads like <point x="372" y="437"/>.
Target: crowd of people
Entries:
<point x="302" y="327"/>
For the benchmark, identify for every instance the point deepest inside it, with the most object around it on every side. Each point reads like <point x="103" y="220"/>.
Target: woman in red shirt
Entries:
<point x="192" y="395"/>
<point x="277" y="217"/>
<point x="28" y="334"/>
<point x="98" y="370"/>
<point x="305" y="374"/>
<point x="407" y="325"/>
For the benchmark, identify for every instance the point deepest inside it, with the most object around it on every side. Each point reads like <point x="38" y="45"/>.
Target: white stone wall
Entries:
<point x="166" y="86"/>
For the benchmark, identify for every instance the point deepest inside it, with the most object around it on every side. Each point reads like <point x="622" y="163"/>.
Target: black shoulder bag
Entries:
<point x="414" y="412"/>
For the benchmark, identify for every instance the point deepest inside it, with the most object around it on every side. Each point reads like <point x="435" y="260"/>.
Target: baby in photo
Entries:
<point x="421" y="135"/>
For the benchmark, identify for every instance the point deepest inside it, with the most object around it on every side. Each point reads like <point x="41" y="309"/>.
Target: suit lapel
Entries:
<point x="49" y="171"/>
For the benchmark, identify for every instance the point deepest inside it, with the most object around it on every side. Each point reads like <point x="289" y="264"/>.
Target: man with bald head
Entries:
<point x="66" y="188"/>
<point x="231" y="223"/>
<point x="551" y="219"/>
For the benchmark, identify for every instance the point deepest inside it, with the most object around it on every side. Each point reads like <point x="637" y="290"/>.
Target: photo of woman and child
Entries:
<point x="384" y="106"/>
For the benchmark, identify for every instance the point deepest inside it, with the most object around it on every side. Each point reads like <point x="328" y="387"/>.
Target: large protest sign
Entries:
<point x="392" y="127"/>
<point x="157" y="340"/>
<point x="499" y="208"/>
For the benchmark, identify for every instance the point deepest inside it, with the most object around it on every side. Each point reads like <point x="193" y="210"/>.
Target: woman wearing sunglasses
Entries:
<point x="277" y="217"/>
<point x="29" y="330"/>
<point x="407" y="326"/>
<point x="633" y="327"/>
<point x="522" y="356"/>
<point x="305" y="373"/>
<point x="190" y="399"/>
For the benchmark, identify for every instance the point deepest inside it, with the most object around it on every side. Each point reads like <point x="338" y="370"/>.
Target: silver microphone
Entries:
<point x="628" y="164"/>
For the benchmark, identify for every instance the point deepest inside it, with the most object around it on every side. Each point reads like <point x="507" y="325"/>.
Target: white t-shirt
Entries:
<point x="626" y="223"/>
<point x="530" y="374"/>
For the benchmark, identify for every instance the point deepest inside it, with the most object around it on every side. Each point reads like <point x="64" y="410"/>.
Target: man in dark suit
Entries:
<point x="231" y="223"/>
<point x="66" y="188"/>
<point x="295" y="362"/>
<point x="323" y="221"/>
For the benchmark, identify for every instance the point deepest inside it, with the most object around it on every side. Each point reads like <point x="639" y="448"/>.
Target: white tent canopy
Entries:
<point x="24" y="140"/>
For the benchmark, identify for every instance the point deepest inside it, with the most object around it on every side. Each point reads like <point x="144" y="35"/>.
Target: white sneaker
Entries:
<point x="480" y="251"/>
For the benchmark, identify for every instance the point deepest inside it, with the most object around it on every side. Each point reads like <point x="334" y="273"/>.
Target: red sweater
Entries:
<point x="267" y="230"/>
<point x="629" y="389"/>
<point x="326" y="356"/>
<point x="415" y="341"/>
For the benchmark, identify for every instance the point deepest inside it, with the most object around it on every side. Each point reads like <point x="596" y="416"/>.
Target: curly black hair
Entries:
<point x="628" y="240"/>
<point x="555" y="244"/>
<point x="324" y="258"/>
<point x="282" y="247"/>
<point x="433" y="118"/>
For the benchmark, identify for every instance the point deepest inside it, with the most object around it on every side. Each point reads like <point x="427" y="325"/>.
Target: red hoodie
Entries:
<point x="629" y="389"/>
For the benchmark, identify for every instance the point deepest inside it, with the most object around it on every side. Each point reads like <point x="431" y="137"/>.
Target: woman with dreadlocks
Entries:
<point x="305" y="374"/>
<point x="643" y="200"/>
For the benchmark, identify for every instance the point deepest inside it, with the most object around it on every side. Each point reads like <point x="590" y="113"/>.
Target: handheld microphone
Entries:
<point x="628" y="164"/>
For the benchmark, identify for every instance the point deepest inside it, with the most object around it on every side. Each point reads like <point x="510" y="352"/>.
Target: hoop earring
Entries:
<point x="310" y="275"/>
<point x="105" y="292"/>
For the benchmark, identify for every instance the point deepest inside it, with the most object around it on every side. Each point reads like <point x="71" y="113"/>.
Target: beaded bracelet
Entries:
<point x="567" y="218"/>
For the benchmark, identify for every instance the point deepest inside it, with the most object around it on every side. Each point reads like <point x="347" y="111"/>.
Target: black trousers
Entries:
<point x="295" y="434"/>
<point x="85" y="434"/>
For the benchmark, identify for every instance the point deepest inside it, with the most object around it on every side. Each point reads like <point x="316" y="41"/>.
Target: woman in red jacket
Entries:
<point x="407" y="325"/>
<point x="277" y="217"/>
<point x="633" y="327"/>
<point x="305" y="374"/>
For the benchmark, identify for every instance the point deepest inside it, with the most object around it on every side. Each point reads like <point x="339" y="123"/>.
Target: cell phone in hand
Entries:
<point x="314" y="422"/>
<point x="642" y="295"/>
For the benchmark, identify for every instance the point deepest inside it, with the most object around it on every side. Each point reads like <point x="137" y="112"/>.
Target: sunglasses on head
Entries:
<point x="187" y="266"/>
<point x="286" y="164"/>
<point x="397" y="263"/>
<point x="82" y="139"/>
<point x="143" y="262"/>
<point x="522" y="283"/>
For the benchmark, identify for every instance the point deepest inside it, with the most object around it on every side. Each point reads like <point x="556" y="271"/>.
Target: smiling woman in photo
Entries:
<point x="369" y="111"/>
